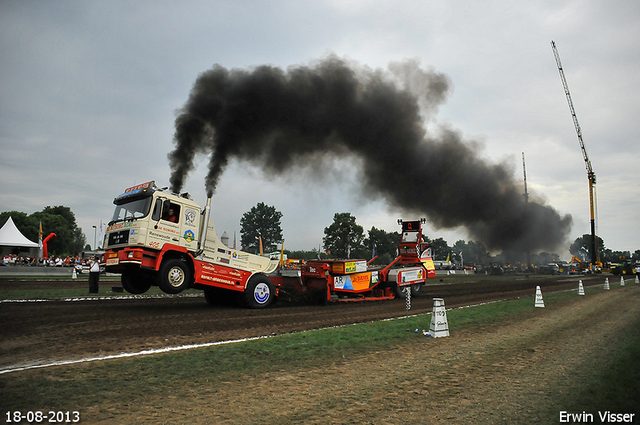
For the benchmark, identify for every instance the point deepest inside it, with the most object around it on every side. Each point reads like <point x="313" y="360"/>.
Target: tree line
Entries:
<point x="344" y="238"/>
<point x="69" y="240"/>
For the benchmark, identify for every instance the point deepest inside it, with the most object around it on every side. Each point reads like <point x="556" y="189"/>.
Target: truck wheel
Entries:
<point x="259" y="292"/>
<point x="175" y="276"/>
<point x="217" y="296"/>
<point x="210" y="296"/>
<point x="135" y="283"/>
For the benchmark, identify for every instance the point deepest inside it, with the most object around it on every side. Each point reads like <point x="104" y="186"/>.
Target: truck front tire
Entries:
<point x="175" y="276"/>
<point x="135" y="283"/>
<point x="259" y="292"/>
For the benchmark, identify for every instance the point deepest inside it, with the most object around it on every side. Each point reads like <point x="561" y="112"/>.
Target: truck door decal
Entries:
<point x="190" y="217"/>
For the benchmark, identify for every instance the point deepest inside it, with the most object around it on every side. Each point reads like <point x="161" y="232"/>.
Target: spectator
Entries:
<point x="94" y="276"/>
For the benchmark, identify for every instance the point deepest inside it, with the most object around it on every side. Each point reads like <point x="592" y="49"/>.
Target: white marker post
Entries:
<point x="539" y="300"/>
<point x="74" y="275"/>
<point x="580" y="288"/>
<point x="439" y="325"/>
<point x="637" y="279"/>
<point x="407" y="295"/>
<point x="621" y="281"/>
<point x="606" y="284"/>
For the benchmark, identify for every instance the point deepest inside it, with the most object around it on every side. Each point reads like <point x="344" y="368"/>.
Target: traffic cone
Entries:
<point x="621" y="281"/>
<point x="580" y="288"/>
<point x="74" y="275"/>
<point x="539" y="300"/>
<point x="606" y="284"/>
<point x="439" y="325"/>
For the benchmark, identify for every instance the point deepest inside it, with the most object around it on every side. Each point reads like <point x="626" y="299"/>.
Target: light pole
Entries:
<point x="95" y="230"/>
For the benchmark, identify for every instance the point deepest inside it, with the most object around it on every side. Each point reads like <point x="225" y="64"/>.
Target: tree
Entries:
<point x="619" y="256"/>
<point x="440" y="249"/>
<point x="343" y="236"/>
<point x="261" y="221"/>
<point x="60" y="220"/>
<point x="581" y="248"/>
<point x="476" y="252"/>
<point x="472" y="252"/>
<point x="384" y="244"/>
<point x="314" y="254"/>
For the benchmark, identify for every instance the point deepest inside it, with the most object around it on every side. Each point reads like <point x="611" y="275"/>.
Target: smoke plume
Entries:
<point x="283" y="118"/>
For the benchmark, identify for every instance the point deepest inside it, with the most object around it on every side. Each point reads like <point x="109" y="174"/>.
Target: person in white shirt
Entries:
<point x="94" y="276"/>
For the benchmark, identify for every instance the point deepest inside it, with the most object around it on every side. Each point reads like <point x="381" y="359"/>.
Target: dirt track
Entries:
<point x="41" y="332"/>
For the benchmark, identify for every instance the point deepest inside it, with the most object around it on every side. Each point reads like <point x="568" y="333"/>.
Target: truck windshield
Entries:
<point x="132" y="210"/>
<point x="409" y="237"/>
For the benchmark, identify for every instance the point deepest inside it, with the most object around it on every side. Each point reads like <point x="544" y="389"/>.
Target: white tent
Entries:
<point x="11" y="238"/>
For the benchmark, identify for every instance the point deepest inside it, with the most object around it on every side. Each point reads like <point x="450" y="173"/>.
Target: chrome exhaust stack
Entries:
<point x="205" y="226"/>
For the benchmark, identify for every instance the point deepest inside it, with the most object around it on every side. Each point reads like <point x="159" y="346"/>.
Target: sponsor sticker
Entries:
<point x="189" y="236"/>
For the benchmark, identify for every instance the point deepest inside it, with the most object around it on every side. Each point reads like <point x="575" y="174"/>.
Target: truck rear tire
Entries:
<point x="416" y="289"/>
<point x="135" y="283"/>
<point x="217" y="296"/>
<point x="259" y="292"/>
<point x="175" y="276"/>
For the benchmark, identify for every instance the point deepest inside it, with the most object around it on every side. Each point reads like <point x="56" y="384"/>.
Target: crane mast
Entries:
<point x="591" y="175"/>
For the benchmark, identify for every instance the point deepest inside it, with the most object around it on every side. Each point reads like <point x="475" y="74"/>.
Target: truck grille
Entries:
<point x="118" y="238"/>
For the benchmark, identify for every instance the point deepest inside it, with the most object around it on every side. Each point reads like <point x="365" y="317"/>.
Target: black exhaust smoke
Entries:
<point x="280" y="119"/>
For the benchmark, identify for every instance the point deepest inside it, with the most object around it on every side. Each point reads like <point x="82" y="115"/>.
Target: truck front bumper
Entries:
<point x="115" y="261"/>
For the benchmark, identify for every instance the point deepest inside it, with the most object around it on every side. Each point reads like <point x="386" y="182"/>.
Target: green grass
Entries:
<point x="612" y="382"/>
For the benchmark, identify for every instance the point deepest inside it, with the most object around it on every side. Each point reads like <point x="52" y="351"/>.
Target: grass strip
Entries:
<point x="79" y="386"/>
<point x="611" y="382"/>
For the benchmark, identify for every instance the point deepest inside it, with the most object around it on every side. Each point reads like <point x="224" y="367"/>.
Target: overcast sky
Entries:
<point x="89" y="92"/>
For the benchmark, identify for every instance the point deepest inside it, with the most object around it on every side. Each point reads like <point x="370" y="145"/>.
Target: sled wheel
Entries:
<point x="416" y="289"/>
<point x="400" y="291"/>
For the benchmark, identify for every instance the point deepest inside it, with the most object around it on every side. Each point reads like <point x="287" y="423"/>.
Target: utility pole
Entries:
<point x="591" y="175"/>
<point x="526" y="200"/>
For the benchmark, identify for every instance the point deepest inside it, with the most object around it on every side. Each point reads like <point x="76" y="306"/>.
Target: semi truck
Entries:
<point x="165" y="239"/>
